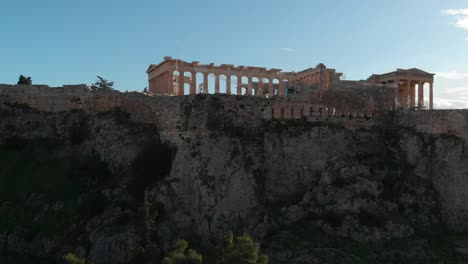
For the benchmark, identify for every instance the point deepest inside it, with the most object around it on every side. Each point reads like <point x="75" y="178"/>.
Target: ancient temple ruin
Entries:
<point x="406" y="81"/>
<point x="319" y="85"/>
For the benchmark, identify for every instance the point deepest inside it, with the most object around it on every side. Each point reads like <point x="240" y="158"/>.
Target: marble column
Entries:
<point x="260" y="87"/>
<point x="161" y="82"/>
<point x="321" y="80"/>
<point x="228" y="84"/>
<point x="271" y="91"/>
<point x="193" y="83"/>
<point x="205" y="83"/>
<point x="162" y="87"/>
<point x="156" y="87"/>
<point x="158" y="84"/>
<point x="413" y="95"/>
<point x="171" y="81"/>
<point x="167" y="89"/>
<point x="420" y="94"/>
<point x="217" y="76"/>
<point x="431" y="96"/>
<point x="397" y="95"/>
<point x="180" y="90"/>
<point x="408" y="94"/>
<point x="281" y="88"/>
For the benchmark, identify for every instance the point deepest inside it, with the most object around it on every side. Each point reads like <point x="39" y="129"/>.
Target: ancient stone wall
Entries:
<point x="439" y="122"/>
<point x="352" y="96"/>
<point x="168" y="113"/>
<point x="68" y="97"/>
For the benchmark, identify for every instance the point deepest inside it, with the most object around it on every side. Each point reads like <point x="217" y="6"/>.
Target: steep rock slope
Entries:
<point x="274" y="180"/>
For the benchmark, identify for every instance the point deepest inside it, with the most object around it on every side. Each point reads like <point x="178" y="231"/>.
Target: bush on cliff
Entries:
<point x="24" y="80"/>
<point x="73" y="259"/>
<point x="181" y="254"/>
<point x="241" y="250"/>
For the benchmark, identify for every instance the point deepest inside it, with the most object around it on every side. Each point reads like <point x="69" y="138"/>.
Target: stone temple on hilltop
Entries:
<point x="319" y="85"/>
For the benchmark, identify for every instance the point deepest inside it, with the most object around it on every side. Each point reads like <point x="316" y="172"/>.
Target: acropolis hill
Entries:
<point x="313" y="95"/>
<point x="268" y="153"/>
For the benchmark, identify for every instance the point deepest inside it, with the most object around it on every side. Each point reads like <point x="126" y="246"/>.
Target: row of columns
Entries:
<point x="312" y="79"/>
<point x="163" y="82"/>
<point x="320" y="79"/>
<point x="409" y="97"/>
<point x="193" y="85"/>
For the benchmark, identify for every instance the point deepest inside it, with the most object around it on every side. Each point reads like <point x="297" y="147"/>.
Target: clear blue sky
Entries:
<point x="71" y="41"/>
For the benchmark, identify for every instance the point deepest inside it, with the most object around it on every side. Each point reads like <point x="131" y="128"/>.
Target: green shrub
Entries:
<point x="181" y="254"/>
<point x="241" y="250"/>
<point x="73" y="259"/>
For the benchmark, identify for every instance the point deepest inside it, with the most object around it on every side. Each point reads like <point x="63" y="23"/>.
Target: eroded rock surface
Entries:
<point x="359" y="185"/>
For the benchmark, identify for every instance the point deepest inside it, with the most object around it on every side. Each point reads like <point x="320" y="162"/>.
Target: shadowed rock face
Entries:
<point x="364" y="185"/>
<point x="358" y="178"/>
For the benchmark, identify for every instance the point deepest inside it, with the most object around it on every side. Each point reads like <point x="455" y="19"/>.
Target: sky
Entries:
<point x="60" y="42"/>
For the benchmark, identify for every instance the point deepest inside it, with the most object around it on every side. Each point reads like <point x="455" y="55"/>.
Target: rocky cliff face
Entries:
<point x="285" y="183"/>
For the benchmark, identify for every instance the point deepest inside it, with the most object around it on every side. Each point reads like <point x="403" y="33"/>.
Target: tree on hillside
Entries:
<point x="24" y="80"/>
<point x="181" y="254"/>
<point x="241" y="250"/>
<point x="103" y="84"/>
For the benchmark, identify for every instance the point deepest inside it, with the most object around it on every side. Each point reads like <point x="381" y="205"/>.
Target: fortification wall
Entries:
<point x="355" y="96"/>
<point x="178" y="116"/>
<point x="438" y="122"/>
<point x="170" y="114"/>
<point x="68" y="97"/>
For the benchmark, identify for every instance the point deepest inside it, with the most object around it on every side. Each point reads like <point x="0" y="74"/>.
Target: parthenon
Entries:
<point x="175" y="77"/>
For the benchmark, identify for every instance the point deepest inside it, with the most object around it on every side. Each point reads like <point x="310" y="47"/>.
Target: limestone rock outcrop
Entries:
<point x="223" y="171"/>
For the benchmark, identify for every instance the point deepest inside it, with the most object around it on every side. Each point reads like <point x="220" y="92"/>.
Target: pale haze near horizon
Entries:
<point x="70" y="42"/>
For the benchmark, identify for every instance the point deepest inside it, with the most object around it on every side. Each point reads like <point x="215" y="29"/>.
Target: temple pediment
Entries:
<point x="415" y="71"/>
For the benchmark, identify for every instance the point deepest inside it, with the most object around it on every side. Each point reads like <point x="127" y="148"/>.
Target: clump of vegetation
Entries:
<point x="181" y="254"/>
<point x="103" y="84"/>
<point x="73" y="259"/>
<point x="241" y="250"/>
<point x="24" y="80"/>
<point x="235" y="250"/>
<point x="422" y="248"/>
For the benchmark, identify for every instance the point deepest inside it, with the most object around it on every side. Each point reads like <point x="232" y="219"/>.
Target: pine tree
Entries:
<point x="103" y="84"/>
